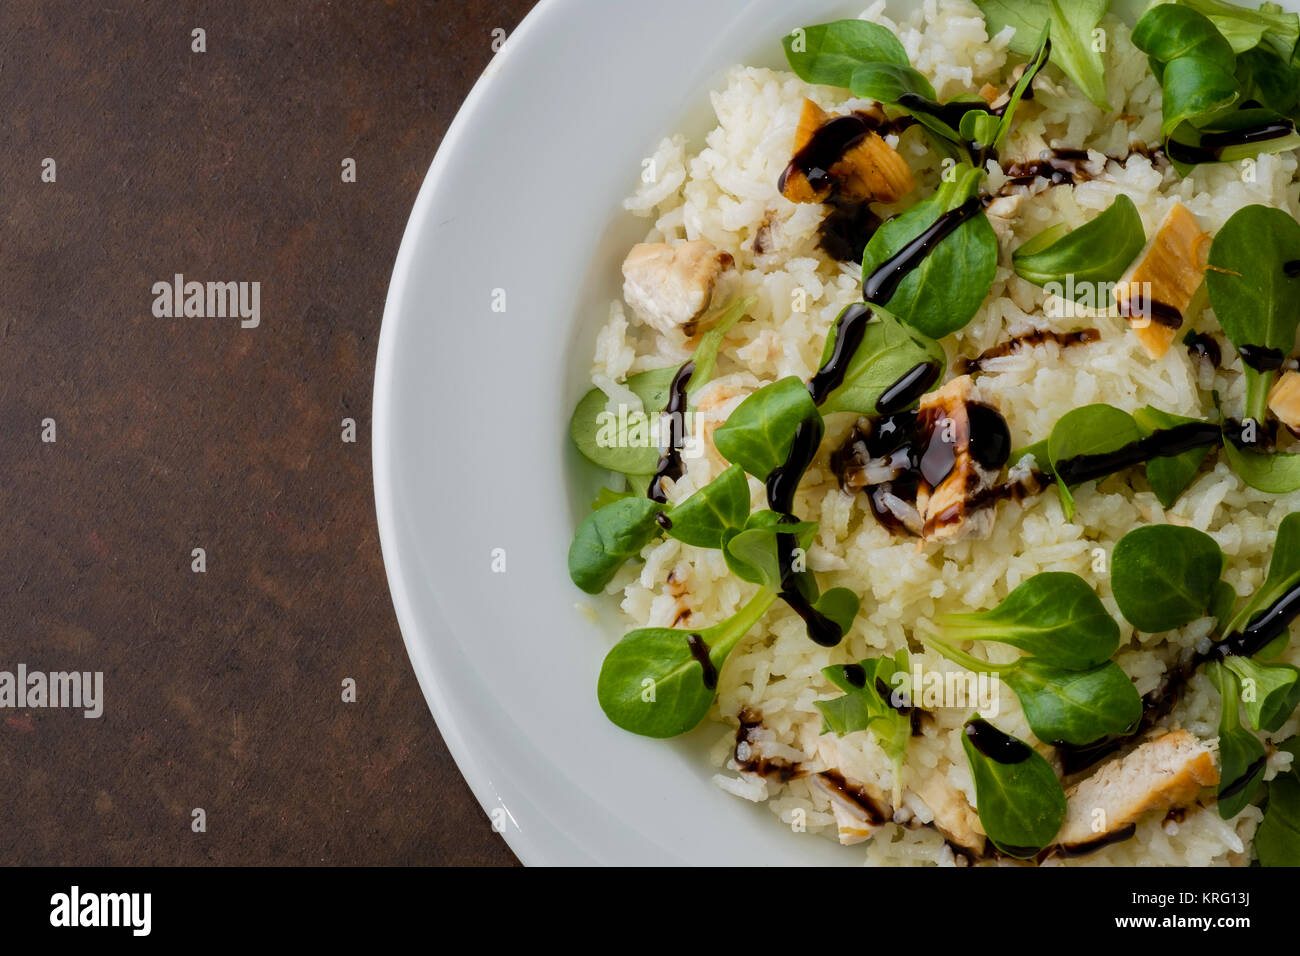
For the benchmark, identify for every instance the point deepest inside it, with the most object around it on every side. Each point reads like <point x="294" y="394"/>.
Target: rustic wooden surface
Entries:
<point x="222" y="689"/>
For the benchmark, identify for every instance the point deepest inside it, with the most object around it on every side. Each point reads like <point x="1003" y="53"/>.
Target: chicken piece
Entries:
<point x="868" y="169"/>
<point x="954" y="817"/>
<point x="1159" y="290"/>
<point x="1284" y="401"/>
<point x="967" y="446"/>
<point x="1164" y="774"/>
<point x="1003" y="213"/>
<point x="670" y="287"/>
<point x="860" y="809"/>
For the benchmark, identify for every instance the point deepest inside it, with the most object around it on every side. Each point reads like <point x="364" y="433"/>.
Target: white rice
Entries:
<point x="725" y="192"/>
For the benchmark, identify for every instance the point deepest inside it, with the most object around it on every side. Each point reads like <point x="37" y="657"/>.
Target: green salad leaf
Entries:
<point x="1283" y="574"/>
<point x="1257" y="302"/>
<point x="863" y="706"/>
<point x="889" y="350"/>
<point x="653" y="683"/>
<point x="759" y="433"/>
<point x="1245" y="28"/>
<point x="1054" y="616"/>
<point x="1019" y="799"/>
<point x="1241" y="754"/>
<point x="1098" y="252"/>
<point x="1164" y="576"/>
<point x="1091" y="430"/>
<point x="1076" y="708"/>
<point x="1073" y="25"/>
<point x="1169" y="477"/>
<point x="752" y="554"/>
<point x="1277" y="842"/>
<point x="1275" y="474"/>
<point x="704" y="518"/>
<point x="945" y="291"/>
<point x="607" y="538"/>
<point x="1269" y="692"/>
<point x="622" y="442"/>
<point x="829" y="53"/>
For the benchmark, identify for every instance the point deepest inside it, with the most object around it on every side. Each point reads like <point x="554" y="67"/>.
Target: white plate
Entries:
<point x="471" y="407"/>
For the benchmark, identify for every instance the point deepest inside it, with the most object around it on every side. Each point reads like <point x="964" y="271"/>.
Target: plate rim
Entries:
<point x="520" y="844"/>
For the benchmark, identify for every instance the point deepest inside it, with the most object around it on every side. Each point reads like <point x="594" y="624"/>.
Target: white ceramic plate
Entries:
<point x="471" y="410"/>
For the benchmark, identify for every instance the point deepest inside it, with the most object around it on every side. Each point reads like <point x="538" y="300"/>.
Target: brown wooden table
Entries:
<point x="222" y="689"/>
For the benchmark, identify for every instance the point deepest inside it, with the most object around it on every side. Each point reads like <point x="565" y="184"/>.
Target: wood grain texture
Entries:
<point x="222" y="689"/>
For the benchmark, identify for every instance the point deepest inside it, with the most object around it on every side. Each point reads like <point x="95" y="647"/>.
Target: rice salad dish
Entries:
<point x="950" y="416"/>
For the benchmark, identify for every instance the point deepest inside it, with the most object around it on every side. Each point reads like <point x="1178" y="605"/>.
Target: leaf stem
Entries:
<point x="721" y="638"/>
<point x="968" y="661"/>
<point x="1258" y="386"/>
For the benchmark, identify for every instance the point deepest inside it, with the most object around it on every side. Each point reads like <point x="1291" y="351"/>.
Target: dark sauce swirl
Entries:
<point x="994" y="744"/>
<point x="670" y="462"/>
<point x="1166" y="443"/>
<point x="1262" y="359"/>
<point x="700" y="651"/>
<point x="1213" y="145"/>
<point x="1101" y="842"/>
<point x="881" y="285"/>
<point x="1203" y="347"/>
<point x="782" y="484"/>
<point x="1028" y="340"/>
<point x="908" y="390"/>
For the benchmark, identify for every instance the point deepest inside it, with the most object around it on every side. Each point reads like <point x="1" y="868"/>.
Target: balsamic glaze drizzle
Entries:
<point x="1105" y="840"/>
<point x="1062" y="166"/>
<point x="782" y="484"/>
<point x="908" y="390"/>
<point x="950" y="114"/>
<point x="827" y="147"/>
<point x="784" y="480"/>
<point x="1161" y="313"/>
<point x="700" y="651"/>
<point x="850" y="328"/>
<point x="846" y="230"/>
<point x="1213" y="145"/>
<point x="1166" y="443"/>
<point x="1204" y="347"/>
<point x="994" y="744"/>
<point x="1028" y="340"/>
<point x="1267" y="626"/>
<point x="881" y="285"/>
<point x="1251" y="775"/>
<point x="670" y="462"/>
<point x="1262" y="359"/>
<point x="875" y="814"/>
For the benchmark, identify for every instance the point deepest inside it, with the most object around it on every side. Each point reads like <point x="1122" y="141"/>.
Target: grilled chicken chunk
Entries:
<point x="669" y="287"/>
<point x="1161" y="775"/>
<point x="964" y="457"/>
<point x="1159" y="290"/>
<point x="869" y="169"/>
<point x="860" y="809"/>
<point x="954" y="817"/>
<point x="1284" y="401"/>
